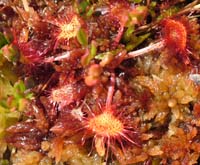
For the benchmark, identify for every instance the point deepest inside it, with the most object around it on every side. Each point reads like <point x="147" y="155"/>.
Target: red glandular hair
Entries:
<point x="106" y="128"/>
<point x="67" y="93"/>
<point x="106" y="125"/>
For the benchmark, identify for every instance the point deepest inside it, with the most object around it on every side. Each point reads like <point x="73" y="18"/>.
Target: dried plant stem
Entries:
<point x="62" y="56"/>
<point x="26" y="5"/>
<point x="190" y="8"/>
<point x="153" y="47"/>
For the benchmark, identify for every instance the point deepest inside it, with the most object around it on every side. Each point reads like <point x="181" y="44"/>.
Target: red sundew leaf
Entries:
<point x="34" y="51"/>
<point x="67" y="26"/>
<point x="66" y="94"/>
<point x="118" y="11"/>
<point x="41" y="121"/>
<point x="42" y="30"/>
<point x="175" y="35"/>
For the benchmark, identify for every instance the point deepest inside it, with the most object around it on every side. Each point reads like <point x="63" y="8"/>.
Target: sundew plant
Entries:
<point x="92" y="82"/>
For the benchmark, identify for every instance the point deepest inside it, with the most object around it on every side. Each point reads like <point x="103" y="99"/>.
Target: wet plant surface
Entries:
<point x="99" y="82"/>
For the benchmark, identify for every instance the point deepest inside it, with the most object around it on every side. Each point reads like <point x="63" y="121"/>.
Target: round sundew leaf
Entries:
<point x="175" y="35"/>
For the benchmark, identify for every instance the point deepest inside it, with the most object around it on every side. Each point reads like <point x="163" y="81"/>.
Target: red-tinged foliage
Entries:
<point x="120" y="11"/>
<point x="66" y="28"/>
<point x="175" y="35"/>
<point x="93" y="76"/>
<point x="34" y="51"/>
<point x="63" y="128"/>
<point x="65" y="94"/>
<point x="74" y="60"/>
<point x="108" y="128"/>
<point x="25" y="135"/>
<point x="107" y="125"/>
<point x="50" y="110"/>
<point x="7" y="13"/>
<point x="34" y="43"/>
<point x="29" y="134"/>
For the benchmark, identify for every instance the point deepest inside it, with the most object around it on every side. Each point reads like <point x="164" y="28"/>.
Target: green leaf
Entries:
<point x="82" y="37"/>
<point x="4" y="162"/>
<point x="128" y="33"/>
<point x="102" y="55"/>
<point x="93" y="50"/>
<point x="90" y="12"/>
<point x="5" y="88"/>
<point x="10" y="52"/>
<point x="2" y="121"/>
<point x="7" y="118"/>
<point x="20" y="93"/>
<point x="2" y="58"/>
<point x="7" y="72"/>
<point x="19" y="86"/>
<point x="137" y="41"/>
<point x="156" y="161"/>
<point x="82" y="6"/>
<point x="136" y="1"/>
<point x="168" y="13"/>
<point x="3" y="40"/>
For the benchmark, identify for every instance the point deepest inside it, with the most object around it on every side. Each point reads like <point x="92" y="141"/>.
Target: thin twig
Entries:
<point x="62" y="56"/>
<point x="153" y="47"/>
<point x="192" y="7"/>
<point x="26" y="5"/>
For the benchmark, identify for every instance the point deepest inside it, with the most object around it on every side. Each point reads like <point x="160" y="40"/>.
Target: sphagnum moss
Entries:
<point x="99" y="82"/>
